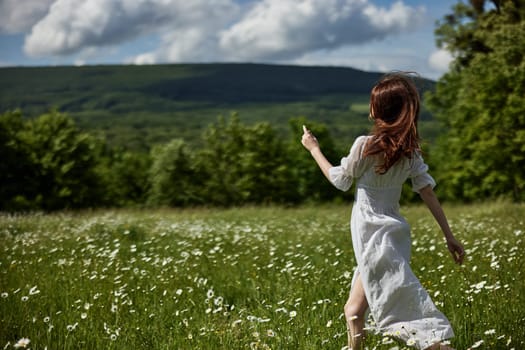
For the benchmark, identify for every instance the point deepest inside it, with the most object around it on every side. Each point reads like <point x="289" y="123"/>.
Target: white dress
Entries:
<point x="399" y="304"/>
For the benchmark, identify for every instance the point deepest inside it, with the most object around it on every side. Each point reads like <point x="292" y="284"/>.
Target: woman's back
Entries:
<point x="380" y="188"/>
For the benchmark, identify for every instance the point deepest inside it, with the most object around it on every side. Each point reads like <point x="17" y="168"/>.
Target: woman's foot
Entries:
<point x="356" y="332"/>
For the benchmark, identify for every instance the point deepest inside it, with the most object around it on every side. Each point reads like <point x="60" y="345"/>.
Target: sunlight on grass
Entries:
<point x="360" y="107"/>
<point x="250" y="278"/>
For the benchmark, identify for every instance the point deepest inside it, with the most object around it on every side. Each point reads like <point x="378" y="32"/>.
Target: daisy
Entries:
<point x="22" y="343"/>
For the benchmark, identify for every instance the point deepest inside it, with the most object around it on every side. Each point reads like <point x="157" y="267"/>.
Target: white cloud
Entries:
<point x="17" y="17"/>
<point x="144" y="58"/>
<point x="397" y="19"/>
<point x="370" y="59"/>
<point x="217" y="30"/>
<point x="440" y="60"/>
<point x="178" y="46"/>
<point x="73" y="25"/>
<point x="192" y="44"/>
<point x="285" y="29"/>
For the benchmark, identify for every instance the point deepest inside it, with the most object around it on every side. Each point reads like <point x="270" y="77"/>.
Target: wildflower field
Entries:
<point x="245" y="278"/>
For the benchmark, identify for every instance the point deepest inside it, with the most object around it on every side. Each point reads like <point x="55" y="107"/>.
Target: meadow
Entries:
<point x="241" y="278"/>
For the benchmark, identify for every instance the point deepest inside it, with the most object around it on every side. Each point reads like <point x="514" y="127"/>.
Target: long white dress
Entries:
<point x="398" y="303"/>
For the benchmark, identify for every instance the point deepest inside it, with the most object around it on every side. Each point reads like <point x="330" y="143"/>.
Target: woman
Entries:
<point x="379" y="164"/>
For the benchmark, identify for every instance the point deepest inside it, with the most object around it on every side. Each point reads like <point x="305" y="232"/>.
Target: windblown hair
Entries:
<point x="394" y="107"/>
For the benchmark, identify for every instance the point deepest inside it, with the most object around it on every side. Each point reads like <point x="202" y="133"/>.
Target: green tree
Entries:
<point x="18" y="171"/>
<point x="481" y="102"/>
<point x="244" y="164"/>
<point x="66" y="159"/>
<point x="125" y="175"/>
<point x="173" y="176"/>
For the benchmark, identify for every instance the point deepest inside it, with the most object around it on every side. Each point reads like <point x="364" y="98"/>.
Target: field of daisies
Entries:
<point x="244" y="278"/>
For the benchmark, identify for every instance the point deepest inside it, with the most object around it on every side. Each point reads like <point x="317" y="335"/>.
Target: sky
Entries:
<point x="371" y="35"/>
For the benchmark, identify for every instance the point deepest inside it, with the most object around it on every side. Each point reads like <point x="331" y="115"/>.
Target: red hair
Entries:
<point x="394" y="107"/>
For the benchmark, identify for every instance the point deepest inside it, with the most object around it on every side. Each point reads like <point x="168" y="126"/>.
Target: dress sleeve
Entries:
<point x="419" y="174"/>
<point x="351" y="166"/>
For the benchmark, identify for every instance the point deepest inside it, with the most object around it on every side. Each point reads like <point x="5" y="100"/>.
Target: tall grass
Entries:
<point x="250" y="278"/>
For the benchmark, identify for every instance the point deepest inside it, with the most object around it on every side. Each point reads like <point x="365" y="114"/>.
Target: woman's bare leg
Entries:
<point x="355" y="309"/>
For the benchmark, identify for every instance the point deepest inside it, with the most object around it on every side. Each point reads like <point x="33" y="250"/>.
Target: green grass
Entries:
<point x="360" y="108"/>
<point x="244" y="278"/>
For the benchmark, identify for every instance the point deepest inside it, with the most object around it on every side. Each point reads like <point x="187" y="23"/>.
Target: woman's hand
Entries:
<point x="309" y="141"/>
<point x="456" y="249"/>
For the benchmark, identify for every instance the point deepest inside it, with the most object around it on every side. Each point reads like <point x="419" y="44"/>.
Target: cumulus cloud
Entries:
<point x="73" y="25"/>
<point x="17" y="17"/>
<point x="197" y="43"/>
<point x="206" y="30"/>
<point x="284" y="29"/>
<point x="440" y="60"/>
<point x="181" y="46"/>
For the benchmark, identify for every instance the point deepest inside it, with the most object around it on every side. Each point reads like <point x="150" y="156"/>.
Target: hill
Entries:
<point x="137" y="106"/>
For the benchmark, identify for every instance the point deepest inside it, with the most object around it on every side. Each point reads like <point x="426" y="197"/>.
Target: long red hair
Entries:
<point x="394" y="107"/>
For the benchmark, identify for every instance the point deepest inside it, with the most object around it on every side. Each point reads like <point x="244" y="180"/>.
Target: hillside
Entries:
<point x="137" y="106"/>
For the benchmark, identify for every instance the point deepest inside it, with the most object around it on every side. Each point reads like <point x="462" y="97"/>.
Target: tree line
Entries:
<point x="48" y="163"/>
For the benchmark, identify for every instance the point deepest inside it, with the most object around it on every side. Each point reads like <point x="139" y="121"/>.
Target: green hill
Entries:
<point x="137" y="106"/>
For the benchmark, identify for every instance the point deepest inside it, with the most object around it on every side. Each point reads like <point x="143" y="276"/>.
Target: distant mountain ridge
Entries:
<point x="185" y="96"/>
<point x="228" y="82"/>
<point x="241" y="83"/>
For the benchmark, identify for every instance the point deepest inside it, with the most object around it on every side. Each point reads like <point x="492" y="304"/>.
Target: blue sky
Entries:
<point x="373" y="35"/>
